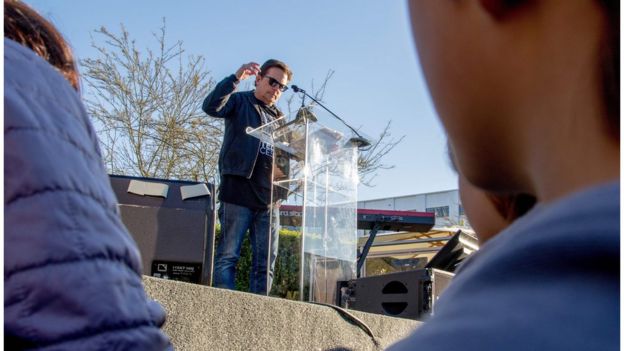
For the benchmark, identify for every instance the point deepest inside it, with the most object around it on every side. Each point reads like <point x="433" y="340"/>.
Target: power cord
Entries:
<point x="353" y="320"/>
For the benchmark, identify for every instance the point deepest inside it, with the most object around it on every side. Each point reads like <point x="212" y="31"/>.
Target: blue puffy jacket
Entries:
<point x="71" y="271"/>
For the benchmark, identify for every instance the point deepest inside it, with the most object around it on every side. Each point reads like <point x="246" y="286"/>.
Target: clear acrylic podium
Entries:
<point x="317" y="168"/>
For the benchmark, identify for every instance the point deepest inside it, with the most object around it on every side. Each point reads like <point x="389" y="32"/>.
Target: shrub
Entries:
<point x="286" y="275"/>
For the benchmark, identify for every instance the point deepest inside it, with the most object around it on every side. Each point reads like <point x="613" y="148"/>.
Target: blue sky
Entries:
<point x="367" y="43"/>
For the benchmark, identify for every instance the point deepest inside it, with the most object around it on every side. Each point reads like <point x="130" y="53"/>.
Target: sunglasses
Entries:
<point x="276" y="84"/>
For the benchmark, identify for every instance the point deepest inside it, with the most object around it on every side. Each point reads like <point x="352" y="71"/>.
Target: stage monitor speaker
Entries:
<point x="173" y="224"/>
<point x="409" y="294"/>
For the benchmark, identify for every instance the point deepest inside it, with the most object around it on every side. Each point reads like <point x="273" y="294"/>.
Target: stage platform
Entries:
<point x="206" y="318"/>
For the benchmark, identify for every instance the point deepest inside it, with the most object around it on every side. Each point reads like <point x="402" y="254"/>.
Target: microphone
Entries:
<point x="359" y="140"/>
<point x="305" y="113"/>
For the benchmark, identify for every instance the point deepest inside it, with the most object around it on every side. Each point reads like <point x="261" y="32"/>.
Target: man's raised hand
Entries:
<point x="247" y="70"/>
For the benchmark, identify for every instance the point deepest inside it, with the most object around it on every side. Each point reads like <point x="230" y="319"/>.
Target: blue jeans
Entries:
<point x="235" y="221"/>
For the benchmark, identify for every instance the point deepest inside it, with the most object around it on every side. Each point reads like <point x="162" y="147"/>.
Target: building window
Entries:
<point x="442" y="211"/>
<point x="461" y="210"/>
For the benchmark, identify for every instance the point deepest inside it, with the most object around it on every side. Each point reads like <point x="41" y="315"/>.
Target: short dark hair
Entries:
<point x="610" y="64"/>
<point x="25" y="26"/>
<point x="276" y="63"/>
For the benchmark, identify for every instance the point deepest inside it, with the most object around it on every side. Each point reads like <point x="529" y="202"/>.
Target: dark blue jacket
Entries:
<point x="71" y="271"/>
<point x="240" y="110"/>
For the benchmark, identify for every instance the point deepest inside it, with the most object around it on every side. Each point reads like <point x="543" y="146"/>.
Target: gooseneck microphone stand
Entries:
<point x="359" y="141"/>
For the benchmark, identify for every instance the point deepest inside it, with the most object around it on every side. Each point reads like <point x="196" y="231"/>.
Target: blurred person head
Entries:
<point x="25" y="26"/>
<point x="528" y="91"/>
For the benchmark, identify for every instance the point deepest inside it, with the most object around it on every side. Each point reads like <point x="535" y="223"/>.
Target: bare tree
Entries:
<point x="371" y="158"/>
<point x="146" y="107"/>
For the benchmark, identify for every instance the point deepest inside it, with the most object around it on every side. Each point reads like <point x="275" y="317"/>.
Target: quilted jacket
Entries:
<point x="71" y="270"/>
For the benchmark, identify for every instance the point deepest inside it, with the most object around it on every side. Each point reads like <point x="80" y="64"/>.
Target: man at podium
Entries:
<point x="246" y="170"/>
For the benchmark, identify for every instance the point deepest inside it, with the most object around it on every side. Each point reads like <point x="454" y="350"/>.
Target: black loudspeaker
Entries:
<point x="173" y="224"/>
<point x="410" y="294"/>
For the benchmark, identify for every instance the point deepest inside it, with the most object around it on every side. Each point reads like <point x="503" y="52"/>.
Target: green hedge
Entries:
<point x="286" y="276"/>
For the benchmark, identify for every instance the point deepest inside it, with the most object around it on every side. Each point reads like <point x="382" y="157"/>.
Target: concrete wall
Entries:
<point x="205" y="318"/>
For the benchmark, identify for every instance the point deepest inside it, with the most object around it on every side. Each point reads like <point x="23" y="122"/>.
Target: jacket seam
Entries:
<point x="25" y="93"/>
<point x="110" y="211"/>
<point x="72" y="337"/>
<point x="59" y="136"/>
<point x="83" y="258"/>
<point x="50" y="189"/>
